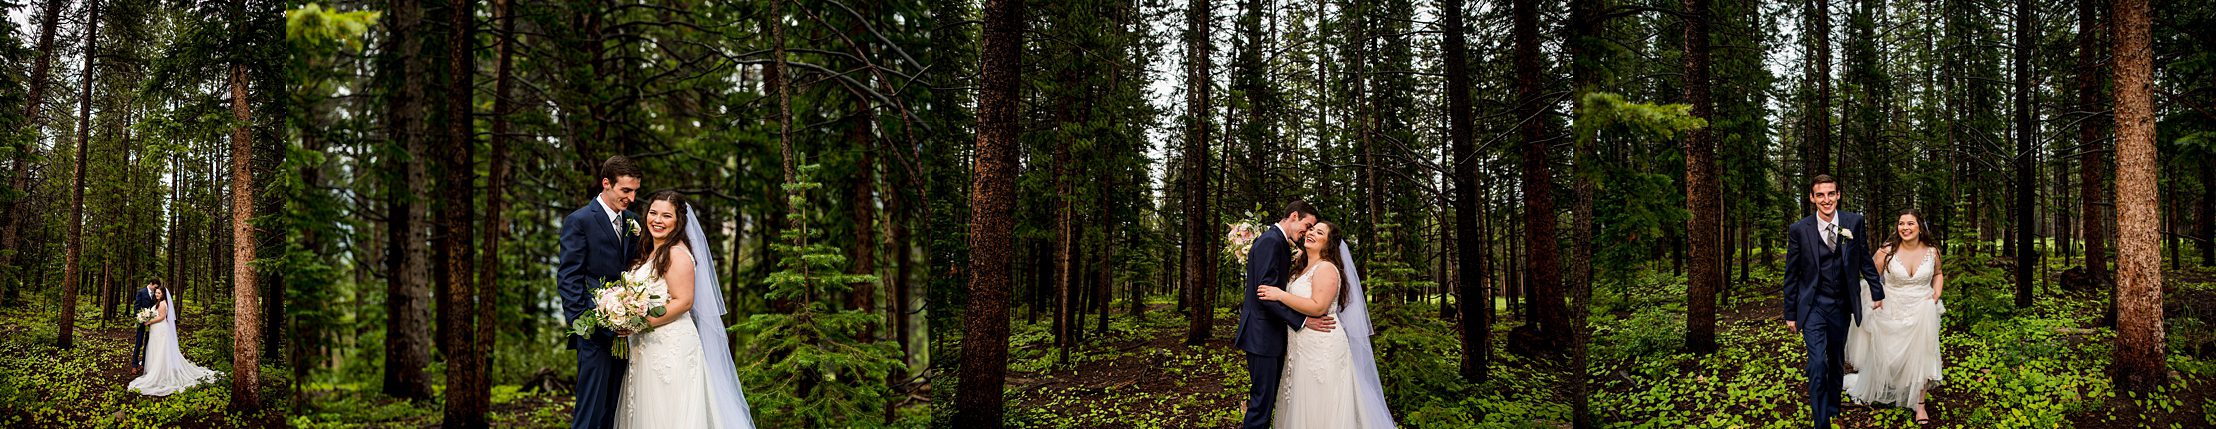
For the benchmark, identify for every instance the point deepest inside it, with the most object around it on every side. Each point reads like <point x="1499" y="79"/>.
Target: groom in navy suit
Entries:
<point x="141" y="300"/>
<point x="598" y="242"/>
<point x="1824" y="256"/>
<point x="1262" y="323"/>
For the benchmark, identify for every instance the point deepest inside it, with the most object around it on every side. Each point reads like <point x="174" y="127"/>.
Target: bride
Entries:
<point x="167" y="371"/>
<point x="1896" y="348"/>
<point x="1330" y="377"/>
<point x="679" y="378"/>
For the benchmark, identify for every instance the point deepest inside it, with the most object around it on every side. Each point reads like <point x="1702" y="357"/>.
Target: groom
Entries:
<point x="1824" y="257"/>
<point x="140" y="301"/>
<point x="598" y="241"/>
<point x="1262" y="324"/>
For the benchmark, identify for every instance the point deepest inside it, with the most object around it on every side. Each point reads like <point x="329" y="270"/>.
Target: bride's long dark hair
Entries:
<point x="659" y="254"/>
<point x="1893" y="243"/>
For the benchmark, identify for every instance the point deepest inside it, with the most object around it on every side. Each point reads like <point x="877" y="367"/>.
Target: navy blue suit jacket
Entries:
<point x="593" y="254"/>
<point x="1269" y="262"/>
<point x="1804" y="243"/>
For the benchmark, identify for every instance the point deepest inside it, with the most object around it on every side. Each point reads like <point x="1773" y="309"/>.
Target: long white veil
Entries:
<point x="1369" y="390"/>
<point x="726" y="400"/>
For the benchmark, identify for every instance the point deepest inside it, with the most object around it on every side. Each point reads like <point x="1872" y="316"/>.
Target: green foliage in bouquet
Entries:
<point x="808" y="365"/>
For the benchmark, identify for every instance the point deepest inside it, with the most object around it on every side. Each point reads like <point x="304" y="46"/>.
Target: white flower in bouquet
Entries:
<point x="622" y="305"/>
<point x="1241" y="238"/>
<point x="145" y="315"/>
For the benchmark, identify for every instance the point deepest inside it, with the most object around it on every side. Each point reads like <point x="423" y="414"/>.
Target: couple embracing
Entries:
<point x="1887" y="329"/>
<point x="679" y="373"/>
<point x="1307" y="368"/>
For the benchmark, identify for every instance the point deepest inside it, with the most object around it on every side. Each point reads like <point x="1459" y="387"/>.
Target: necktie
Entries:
<point x="1830" y="237"/>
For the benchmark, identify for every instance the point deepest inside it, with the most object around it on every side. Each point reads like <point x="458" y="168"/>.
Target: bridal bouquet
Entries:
<point x="620" y="305"/>
<point x="145" y="315"/>
<point x="1241" y="237"/>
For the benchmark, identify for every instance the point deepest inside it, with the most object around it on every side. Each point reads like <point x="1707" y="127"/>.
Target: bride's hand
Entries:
<point x="1270" y="293"/>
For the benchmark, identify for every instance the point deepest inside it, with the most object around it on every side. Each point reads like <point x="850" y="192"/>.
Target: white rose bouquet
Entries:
<point x="621" y="305"/>
<point x="1241" y="238"/>
<point x="145" y="315"/>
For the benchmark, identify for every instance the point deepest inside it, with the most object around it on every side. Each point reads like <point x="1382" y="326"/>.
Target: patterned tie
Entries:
<point x="1830" y="237"/>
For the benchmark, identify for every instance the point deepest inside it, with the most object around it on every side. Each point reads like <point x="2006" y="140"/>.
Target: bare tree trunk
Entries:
<point x="1476" y="338"/>
<point x="246" y="324"/>
<point x="2140" y="364"/>
<point x="864" y="184"/>
<point x="1701" y="230"/>
<point x="1545" y="282"/>
<point x="1201" y="302"/>
<point x="2027" y="227"/>
<point x="979" y="397"/>
<point x="70" y="276"/>
<point x="2092" y="165"/>
<point x="468" y="395"/>
<point x="1818" y="16"/>
<point x="407" y="276"/>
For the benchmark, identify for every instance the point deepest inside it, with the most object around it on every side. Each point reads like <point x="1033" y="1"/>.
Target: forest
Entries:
<point x="1010" y="213"/>
<point x="1573" y="213"/>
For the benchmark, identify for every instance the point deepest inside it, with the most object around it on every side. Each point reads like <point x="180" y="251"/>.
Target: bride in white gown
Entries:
<point x="1330" y="377"/>
<point x="679" y="378"/>
<point x="1896" y="348"/>
<point x="167" y="371"/>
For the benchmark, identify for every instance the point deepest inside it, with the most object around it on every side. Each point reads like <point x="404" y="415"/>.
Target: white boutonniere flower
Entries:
<point x="634" y="226"/>
<point x="1846" y="234"/>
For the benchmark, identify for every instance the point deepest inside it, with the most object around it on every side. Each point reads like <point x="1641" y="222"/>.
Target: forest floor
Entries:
<point x="84" y="386"/>
<point x="2038" y="367"/>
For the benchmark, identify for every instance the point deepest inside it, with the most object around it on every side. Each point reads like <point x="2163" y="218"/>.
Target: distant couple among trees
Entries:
<point x="646" y="311"/>
<point x="1887" y="329"/>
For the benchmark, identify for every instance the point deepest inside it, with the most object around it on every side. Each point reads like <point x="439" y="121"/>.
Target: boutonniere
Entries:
<point x="634" y="224"/>
<point x="1846" y="234"/>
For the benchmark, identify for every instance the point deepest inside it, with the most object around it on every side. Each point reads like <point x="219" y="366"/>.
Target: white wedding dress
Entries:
<point x="167" y="371"/>
<point x="1896" y="349"/>
<point x="1319" y="388"/>
<point x="678" y="378"/>
<point x="665" y="386"/>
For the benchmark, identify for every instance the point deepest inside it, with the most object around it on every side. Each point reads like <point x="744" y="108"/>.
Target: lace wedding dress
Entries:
<point x="1896" y="349"/>
<point x="167" y="371"/>
<point x="666" y="387"/>
<point x="1318" y="387"/>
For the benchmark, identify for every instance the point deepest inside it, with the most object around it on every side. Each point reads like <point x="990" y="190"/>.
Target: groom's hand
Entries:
<point x="1791" y="326"/>
<point x="1322" y="324"/>
<point x="1877" y="305"/>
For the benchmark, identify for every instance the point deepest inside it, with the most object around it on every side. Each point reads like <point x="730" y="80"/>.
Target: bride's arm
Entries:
<point x="1938" y="276"/>
<point x="1323" y="288"/>
<point x="680" y="280"/>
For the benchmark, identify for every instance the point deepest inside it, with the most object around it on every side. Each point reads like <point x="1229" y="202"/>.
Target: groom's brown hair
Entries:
<point x="1298" y="206"/>
<point x="618" y="166"/>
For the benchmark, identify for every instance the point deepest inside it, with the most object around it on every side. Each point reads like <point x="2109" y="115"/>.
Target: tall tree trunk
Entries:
<point x="979" y="397"/>
<point x="2027" y="227"/>
<point x="1476" y="339"/>
<point x="1583" y="43"/>
<point x="2140" y="363"/>
<point x="1701" y="190"/>
<point x="1065" y="235"/>
<point x="246" y="325"/>
<point x="864" y="187"/>
<point x="2092" y="165"/>
<point x="70" y="277"/>
<point x="487" y="311"/>
<point x="407" y="276"/>
<point x="1819" y="21"/>
<point x="468" y="395"/>
<point x="1201" y="309"/>
<point x="1545" y="282"/>
<point x="10" y="234"/>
